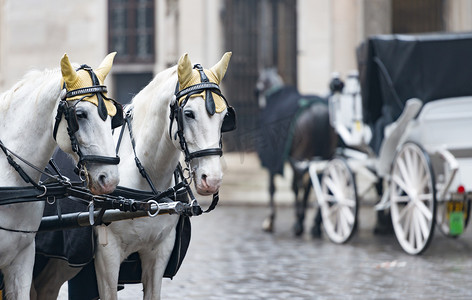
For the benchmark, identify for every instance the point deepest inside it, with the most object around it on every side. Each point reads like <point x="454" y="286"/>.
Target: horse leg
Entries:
<point x="107" y="266"/>
<point x="299" y="210"/>
<point x="48" y="283"/>
<point x="383" y="225"/>
<point x="316" y="229"/>
<point x="153" y="263"/>
<point x="268" y="224"/>
<point x="18" y="274"/>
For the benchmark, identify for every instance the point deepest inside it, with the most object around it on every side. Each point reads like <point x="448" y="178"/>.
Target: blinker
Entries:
<point x="229" y="121"/>
<point x="72" y="122"/>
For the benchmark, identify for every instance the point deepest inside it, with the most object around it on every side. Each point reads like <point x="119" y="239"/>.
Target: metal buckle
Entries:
<point x="83" y="174"/>
<point x="151" y="203"/>
<point x="187" y="173"/>
<point x="44" y="192"/>
<point x="49" y="201"/>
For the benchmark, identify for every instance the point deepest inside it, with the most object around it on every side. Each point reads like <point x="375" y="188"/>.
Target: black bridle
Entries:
<point x="183" y="181"/>
<point x="69" y="113"/>
<point x="176" y="113"/>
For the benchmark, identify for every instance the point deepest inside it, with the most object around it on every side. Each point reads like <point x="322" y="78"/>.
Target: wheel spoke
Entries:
<point x="418" y="234"/>
<point x="348" y="215"/>
<point x="331" y="210"/>
<point x="409" y="165"/>
<point x="403" y="170"/>
<point x="343" y="222"/>
<point x="424" y="210"/>
<point x="335" y="177"/>
<point x="400" y="199"/>
<point x="411" y="227"/>
<point x="399" y="181"/>
<point x="330" y="198"/>
<point x="349" y="202"/>
<point x="423" y="224"/>
<point x="334" y="189"/>
<point x="404" y="211"/>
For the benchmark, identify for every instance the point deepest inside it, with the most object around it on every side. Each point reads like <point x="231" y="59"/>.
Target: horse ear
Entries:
<point x="220" y="68"/>
<point x="105" y="67"/>
<point x="68" y="73"/>
<point x="184" y="70"/>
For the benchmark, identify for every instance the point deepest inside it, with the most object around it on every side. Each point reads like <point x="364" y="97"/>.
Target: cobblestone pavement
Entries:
<point x="230" y="257"/>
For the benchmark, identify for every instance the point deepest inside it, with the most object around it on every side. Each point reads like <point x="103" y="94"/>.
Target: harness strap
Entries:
<point x="22" y="172"/>
<point x="13" y="195"/>
<point x="18" y="230"/>
<point x="205" y="152"/>
<point x="198" y="88"/>
<point x="100" y="159"/>
<point x="86" y="90"/>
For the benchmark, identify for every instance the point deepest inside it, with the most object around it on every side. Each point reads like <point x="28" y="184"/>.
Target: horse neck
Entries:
<point x="150" y="126"/>
<point x="26" y="115"/>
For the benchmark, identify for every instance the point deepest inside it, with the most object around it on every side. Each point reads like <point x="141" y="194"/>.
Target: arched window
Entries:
<point x="131" y="30"/>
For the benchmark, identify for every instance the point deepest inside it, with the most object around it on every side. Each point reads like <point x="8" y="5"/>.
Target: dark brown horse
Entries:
<point x="294" y="128"/>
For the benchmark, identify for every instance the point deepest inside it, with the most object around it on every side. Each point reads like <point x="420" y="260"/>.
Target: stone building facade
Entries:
<point x="306" y="39"/>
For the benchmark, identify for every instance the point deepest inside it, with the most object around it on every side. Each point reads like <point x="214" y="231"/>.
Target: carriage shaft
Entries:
<point x="81" y="219"/>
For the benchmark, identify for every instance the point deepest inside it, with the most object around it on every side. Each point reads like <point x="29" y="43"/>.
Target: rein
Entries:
<point x="182" y="183"/>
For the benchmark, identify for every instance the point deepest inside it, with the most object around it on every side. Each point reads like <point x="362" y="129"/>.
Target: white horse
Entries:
<point x="159" y="150"/>
<point x="27" y="121"/>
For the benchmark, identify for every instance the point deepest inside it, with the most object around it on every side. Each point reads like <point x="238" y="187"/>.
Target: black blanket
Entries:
<point x="274" y="127"/>
<point x="77" y="246"/>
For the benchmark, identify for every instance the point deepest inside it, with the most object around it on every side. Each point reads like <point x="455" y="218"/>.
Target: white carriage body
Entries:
<point x="443" y="128"/>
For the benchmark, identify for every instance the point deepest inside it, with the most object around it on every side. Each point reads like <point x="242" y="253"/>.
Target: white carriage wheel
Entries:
<point x="413" y="198"/>
<point x="339" y="206"/>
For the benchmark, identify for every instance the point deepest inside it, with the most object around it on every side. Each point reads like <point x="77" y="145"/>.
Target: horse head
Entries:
<point x="82" y="127"/>
<point x="202" y="115"/>
<point x="268" y="80"/>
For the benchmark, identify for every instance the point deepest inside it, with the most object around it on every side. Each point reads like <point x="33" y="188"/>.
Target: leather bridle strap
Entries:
<point x="176" y="112"/>
<point x="63" y="109"/>
<point x="87" y="90"/>
<point x="205" y="152"/>
<point x="196" y="89"/>
<point x="142" y="171"/>
<point x="179" y="173"/>
<point x="108" y="160"/>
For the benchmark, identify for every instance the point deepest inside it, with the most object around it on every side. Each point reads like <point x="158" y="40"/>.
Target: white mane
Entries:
<point x="148" y="101"/>
<point x="31" y="88"/>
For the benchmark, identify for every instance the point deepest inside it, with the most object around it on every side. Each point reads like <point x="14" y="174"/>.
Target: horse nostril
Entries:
<point x="102" y="179"/>
<point x="204" y="180"/>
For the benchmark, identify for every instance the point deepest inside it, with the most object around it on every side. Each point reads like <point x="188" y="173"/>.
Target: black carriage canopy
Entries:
<point x="395" y="68"/>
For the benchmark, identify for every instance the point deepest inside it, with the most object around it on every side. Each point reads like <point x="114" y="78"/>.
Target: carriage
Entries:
<point x="404" y="120"/>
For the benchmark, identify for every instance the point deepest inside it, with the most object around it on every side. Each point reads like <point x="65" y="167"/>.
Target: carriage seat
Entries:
<point x="393" y="133"/>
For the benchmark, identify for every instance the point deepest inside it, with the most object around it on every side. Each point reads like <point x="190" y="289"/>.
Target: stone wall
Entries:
<point x="35" y="34"/>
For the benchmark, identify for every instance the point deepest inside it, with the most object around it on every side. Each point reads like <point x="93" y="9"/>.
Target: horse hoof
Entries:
<point x="298" y="229"/>
<point x="382" y="229"/>
<point x="268" y="225"/>
<point x="384" y="225"/>
<point x="316" y="232"/>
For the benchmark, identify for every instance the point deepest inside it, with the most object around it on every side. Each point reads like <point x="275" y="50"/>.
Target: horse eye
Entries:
<point x="189" y="114"/>
<point x="81" y="114"/>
